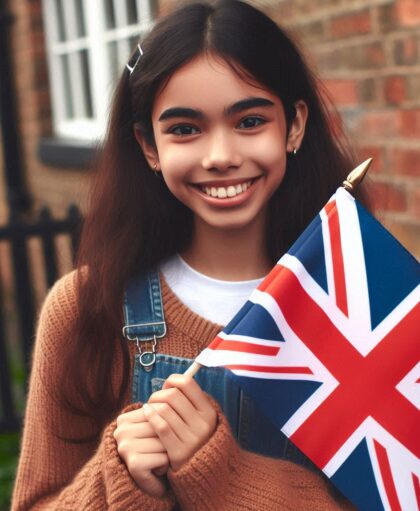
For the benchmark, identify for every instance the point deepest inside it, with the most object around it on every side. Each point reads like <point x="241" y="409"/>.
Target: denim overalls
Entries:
<point x="144" y="321"/>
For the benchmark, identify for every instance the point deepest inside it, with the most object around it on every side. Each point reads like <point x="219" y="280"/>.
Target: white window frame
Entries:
<point x="96" y="41"/>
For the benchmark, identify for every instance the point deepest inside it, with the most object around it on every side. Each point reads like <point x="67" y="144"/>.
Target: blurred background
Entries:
<point x="59" y="60"/>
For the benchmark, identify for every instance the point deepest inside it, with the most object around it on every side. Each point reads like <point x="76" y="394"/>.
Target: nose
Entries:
<point x="221" y="152"/>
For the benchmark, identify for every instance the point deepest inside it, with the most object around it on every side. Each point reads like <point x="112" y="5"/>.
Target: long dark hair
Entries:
<point x="134" y="222"/>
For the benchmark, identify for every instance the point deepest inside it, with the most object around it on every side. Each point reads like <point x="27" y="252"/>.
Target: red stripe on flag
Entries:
<point x="387" y="478"/>
<point x="337" y="257"/>
<point x="361" y="379"/>
<point x="242" y="346"/>
<point x="416" y="484"/>
<point x="269" y="369"/>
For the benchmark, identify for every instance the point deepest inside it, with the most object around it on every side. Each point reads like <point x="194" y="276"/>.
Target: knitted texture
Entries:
<point x="56" y="475"/>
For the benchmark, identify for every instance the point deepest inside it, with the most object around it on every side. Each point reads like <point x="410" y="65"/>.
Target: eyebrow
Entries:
<point x="239" y="106"/>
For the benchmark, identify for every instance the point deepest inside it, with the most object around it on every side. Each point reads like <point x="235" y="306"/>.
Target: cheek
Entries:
<point x="270" y="153"/>
<point x="176" y="161"/>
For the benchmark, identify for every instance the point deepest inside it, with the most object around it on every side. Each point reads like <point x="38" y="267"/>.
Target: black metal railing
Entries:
<point x="17" y="234"/>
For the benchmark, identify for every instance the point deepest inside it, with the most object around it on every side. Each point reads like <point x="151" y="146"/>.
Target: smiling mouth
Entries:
<point x="226" y="192"/>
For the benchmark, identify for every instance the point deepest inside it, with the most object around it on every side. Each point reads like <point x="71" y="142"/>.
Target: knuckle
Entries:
<point x="164" y="408"/>
<point x="123" y="448"/>
<point x="133" y="462"/>
<point x="163" y="428"/>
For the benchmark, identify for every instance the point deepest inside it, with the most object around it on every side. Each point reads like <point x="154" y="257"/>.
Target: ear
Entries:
<point x="297" y="128"/>
<point x="149" y="151"/>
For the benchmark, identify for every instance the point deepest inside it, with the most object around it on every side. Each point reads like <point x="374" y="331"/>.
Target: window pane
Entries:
<point x="132" y="12"/>
<point x="80" y="17"/>
<point x="133" y="41"/>
<point x="87" y="90"/>
<point x="113" y="59"/>
<point x="109" y="13"/>
<point x="61" y="28"/>
<point x="68" y="102"/>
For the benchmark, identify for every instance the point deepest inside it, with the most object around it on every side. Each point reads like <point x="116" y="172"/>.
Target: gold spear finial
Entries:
<point x="356" y="175"/>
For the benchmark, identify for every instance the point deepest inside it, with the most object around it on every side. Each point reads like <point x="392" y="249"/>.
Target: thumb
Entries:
<point x="154" y="486"/>
<point x="160" y="471"/>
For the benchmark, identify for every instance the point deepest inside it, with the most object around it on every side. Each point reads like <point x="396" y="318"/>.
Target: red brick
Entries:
<point x="410" y="123"/>
<point x="375" y="152"/>
<point x="405" y="161"/>
<point x="395" y="90"/>
<point x="406" y="51"/>
<point x="414" y="203"/>
<point x="375" y="54"/>
<point x="408" y="12"/>
<point x="351" y="24"/>
<point x="368" y="90"/>
<point x="369" y="56"/>
<point x="342" y="92"/>
<point x="378" y="123"/>
<point x="388" y="197"/>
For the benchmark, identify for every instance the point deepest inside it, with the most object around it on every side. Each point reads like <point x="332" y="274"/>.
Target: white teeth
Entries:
<point x="222" y="192"/>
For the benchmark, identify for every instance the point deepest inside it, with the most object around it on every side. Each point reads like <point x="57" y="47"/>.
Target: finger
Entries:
<point x="164" y="431"/>
<point x="182" y="430"/>
<point x="153" y="485"/>
<point x="190" y="388"/>
<point x="129" y="448"/>
<point x="178" y="402"/>
<point x="160" y="471"/>
<point x="134" y="430"/>
<point x="132" y="416"/>
<point x="147" y="445"/>
<point x="141" y="469"/>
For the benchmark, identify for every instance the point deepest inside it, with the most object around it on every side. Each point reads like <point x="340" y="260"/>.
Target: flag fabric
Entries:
<point x="329" y="347"/>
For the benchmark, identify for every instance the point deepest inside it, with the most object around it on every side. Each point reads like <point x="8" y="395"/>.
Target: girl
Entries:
<point x="219" y="153"/>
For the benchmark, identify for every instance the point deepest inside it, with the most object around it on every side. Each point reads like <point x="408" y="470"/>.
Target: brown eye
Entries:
<point x="183" y="130"/>
<point x="251" y="122"/>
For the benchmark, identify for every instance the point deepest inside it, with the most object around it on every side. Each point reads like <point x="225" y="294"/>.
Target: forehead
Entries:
<point x="207" y="83"/>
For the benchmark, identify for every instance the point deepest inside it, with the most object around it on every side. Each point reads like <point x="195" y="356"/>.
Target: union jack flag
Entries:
<point x="328" y="346"/>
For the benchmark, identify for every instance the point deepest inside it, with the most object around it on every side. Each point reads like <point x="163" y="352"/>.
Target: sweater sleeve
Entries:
<point x="53" y="473"/>
<point x="221" y="476"/>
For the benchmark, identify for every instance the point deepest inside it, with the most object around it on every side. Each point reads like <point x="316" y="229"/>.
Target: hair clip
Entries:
<point x="132" y="63"/>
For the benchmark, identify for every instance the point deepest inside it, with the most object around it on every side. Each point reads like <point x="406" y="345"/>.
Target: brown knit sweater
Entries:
<point x="55" y="475"/>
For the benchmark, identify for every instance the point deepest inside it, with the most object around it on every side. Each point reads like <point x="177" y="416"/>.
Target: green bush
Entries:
<point x="9" y="450"/>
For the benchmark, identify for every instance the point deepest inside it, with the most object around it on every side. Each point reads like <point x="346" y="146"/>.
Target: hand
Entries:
<point x="142" y="452"/>
<point x="182" y="416"/>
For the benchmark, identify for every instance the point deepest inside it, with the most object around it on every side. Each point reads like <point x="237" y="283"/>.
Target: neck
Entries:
<point x="235" y="255"/>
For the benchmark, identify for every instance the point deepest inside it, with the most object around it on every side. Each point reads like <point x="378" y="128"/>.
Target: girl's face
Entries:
<point x="221" y="143"/>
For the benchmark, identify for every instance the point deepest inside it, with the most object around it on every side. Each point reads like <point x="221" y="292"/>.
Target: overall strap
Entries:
<point x="144" y="320"/>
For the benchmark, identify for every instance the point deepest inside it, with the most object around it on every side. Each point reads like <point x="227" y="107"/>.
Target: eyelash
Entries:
<point x="171" y="130"/>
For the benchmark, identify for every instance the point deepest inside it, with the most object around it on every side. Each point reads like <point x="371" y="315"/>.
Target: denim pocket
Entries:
<point x="157" y="384"/>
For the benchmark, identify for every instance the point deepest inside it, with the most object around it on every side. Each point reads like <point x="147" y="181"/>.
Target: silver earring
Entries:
<point x="294" y="150"/>
<point x="155" y="168"/>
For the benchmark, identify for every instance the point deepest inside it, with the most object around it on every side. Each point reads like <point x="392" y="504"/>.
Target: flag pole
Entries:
<point x="353" y="179"/>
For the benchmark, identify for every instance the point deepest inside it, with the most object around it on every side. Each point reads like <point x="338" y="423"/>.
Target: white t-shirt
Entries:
<point x="215" y="300"/>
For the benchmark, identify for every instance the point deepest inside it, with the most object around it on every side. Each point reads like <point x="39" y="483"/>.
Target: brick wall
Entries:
<point x="368" y="53"/>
